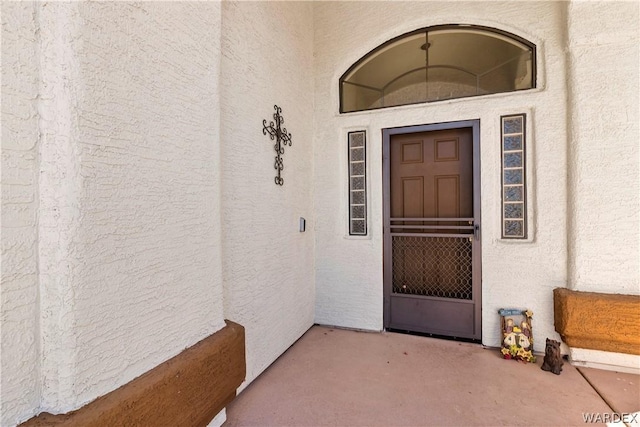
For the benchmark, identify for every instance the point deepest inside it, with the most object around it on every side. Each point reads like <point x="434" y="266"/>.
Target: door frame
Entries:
<point x="386" y="193"/>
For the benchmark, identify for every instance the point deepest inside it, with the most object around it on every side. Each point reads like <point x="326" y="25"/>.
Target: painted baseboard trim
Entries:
<point x="190" y="389"/>
<point x="219" y="419"/>
<point x="619" y="362"/>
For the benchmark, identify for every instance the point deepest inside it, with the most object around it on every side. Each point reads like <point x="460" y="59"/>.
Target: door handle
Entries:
<point x="476" y="232"/>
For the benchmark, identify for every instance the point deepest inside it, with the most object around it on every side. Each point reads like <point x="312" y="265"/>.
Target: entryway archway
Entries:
<point x="437" y="63"/>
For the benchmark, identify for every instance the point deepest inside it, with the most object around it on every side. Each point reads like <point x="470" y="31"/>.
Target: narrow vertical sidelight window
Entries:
<point x="514" y="189"/>
<point x="357" y="142"/>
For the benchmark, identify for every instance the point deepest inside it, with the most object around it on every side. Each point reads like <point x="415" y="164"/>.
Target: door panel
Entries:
<point x="412" y="196"/>
<point x="432" y="248"/>
<point x="410" y="312"/>
<point x="447" y="197"/>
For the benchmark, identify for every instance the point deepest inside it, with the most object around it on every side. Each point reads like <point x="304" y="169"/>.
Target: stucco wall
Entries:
<point x="268" y="264"/>
<point x="128" y="195"/>
<point x="514" y="274"/>
<point x="19" y="357"/>
<point x="604" y="44"/>
<point x="129" y="236"/>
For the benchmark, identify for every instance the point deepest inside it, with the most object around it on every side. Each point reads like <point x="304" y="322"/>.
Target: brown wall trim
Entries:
<point x="187" y="390"/>
<point x="595" y="321"/>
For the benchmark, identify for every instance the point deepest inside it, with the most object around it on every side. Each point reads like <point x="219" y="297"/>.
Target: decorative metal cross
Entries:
<point x="281" y="136"/>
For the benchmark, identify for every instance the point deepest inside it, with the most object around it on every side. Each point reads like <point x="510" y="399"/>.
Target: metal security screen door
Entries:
<point x="432" y="229"/>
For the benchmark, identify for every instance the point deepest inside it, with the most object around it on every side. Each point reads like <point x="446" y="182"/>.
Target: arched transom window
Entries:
<point x="436" y="63"/>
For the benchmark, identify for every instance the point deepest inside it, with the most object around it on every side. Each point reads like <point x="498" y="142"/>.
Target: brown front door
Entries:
<point x="432" y="246"/>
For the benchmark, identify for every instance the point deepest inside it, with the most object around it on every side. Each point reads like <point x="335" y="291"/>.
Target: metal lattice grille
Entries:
<point x="432" y="266"/>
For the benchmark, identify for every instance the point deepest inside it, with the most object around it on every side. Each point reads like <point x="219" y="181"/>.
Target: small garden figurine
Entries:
<point x="517" y="341"/>
<point x="552" y="357"/>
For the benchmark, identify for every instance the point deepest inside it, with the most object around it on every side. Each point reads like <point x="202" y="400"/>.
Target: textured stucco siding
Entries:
<point x="604" y="45"/>
<point x="129" y="188"/>
<point x="268" y="264"/>
<point x="19" y="348"/>
<point x="514" y="274"/>
<point x="143" y="246"/>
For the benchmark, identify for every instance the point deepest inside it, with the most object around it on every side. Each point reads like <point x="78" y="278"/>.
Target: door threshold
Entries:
<point x="437" y="336"/>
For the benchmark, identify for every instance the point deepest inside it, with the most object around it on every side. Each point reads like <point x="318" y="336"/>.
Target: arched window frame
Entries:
<point x="384" y="45"/>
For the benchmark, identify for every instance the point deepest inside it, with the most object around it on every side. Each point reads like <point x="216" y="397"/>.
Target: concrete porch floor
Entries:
<point x="334" y="377"/>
